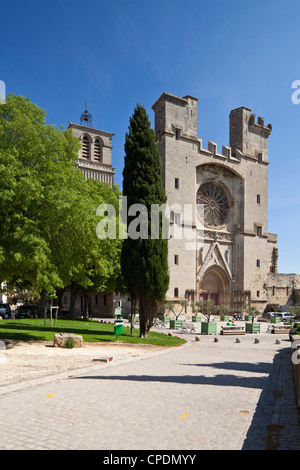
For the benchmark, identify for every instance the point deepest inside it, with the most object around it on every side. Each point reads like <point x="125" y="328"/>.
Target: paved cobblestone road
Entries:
<point x="206" y="395"/>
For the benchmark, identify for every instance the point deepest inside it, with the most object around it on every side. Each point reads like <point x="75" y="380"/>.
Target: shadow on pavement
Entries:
<point x="276" y="424"/>
<point x="226" y="380"/>
<point x="260" y="367"/>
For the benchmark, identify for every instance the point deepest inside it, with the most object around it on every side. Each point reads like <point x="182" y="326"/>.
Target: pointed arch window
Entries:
<point x="98" y="150"/>
<point x="85" y="145"/>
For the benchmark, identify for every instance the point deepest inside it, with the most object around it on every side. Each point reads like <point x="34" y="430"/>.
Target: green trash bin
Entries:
<point x="118" y="327"/>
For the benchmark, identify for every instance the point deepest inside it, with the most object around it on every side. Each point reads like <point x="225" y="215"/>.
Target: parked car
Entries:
<point x="269" y="315"/>
<point x="27" y="310"/>
<point x="5" y="310"/>
<point x="285" y="316"/>
<point x="292" y="331"/>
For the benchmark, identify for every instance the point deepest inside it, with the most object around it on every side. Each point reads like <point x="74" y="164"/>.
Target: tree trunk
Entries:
<point x="60" y="293"/>
<point x="133" y="313"/>
<point x="147" y="313"/>
<point x="86" y="297"/>
<point x="90" y="308"/>
<point x="43" y="305"/>
<point x="73" y="299"/>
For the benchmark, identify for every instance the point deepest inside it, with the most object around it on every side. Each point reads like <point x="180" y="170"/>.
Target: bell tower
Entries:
<point x="94" y="157"/>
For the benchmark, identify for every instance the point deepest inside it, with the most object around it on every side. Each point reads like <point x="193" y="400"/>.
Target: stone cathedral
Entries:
<point x="234" y="260"/>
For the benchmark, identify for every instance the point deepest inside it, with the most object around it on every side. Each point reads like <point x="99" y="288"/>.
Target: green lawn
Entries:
<point x="34" y="330"/>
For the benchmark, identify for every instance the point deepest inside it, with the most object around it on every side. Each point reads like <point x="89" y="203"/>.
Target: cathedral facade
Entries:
<point x="233" y="258"/>
<point x="219" y="244"/>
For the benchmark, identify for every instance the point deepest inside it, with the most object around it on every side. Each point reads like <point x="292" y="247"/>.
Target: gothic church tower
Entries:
<point x="233" y="252"/>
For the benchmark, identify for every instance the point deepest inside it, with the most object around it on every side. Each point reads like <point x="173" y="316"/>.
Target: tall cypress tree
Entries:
<point x="144" y="260"/>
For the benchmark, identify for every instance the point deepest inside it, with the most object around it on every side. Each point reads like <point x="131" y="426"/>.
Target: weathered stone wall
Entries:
<point x="101" y="304"/>
<point x="281" y="288"/>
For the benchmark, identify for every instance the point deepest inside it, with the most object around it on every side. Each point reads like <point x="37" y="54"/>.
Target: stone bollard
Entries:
<point x="216" y="340"/>
<point x="278" y="341"/>
<point x="257" y="340"/>
<point x="238" y="340"/>
<point x="197" y="338"/>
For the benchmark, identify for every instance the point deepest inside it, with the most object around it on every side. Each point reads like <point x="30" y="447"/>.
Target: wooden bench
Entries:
<point x="277" y="329"/>
<point x="232" y="330"/>
<point x="188" y="326"/>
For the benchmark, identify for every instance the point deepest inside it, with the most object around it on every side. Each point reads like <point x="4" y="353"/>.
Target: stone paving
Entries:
<point x="205" y="395"/>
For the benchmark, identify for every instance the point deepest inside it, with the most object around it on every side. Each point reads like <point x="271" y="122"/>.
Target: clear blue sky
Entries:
<point x="226" y="53"/>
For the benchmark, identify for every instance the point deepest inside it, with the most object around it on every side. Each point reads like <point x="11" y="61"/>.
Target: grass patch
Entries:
<point x="34" y="330"/>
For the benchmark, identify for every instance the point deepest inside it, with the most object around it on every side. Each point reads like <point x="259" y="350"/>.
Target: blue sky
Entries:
<point x="226" y="53"/>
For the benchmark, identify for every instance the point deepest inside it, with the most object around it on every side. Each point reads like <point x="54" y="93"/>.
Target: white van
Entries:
<point x="285" y="316"/>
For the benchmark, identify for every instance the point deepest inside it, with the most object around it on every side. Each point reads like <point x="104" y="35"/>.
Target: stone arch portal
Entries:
<point x="215" y="284"/>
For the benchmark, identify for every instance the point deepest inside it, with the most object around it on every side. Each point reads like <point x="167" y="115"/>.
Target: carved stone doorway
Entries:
<point x="215" y="284"/>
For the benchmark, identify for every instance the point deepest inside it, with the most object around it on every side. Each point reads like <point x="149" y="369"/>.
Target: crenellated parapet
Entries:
<point x="259" y="126"/>
<point x="212" y="150"/>
<point x="227" y="154"/>
<point x="176" y="118"/>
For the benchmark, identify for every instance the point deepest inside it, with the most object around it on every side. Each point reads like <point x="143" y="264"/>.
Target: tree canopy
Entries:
<point x="48" y="211"/>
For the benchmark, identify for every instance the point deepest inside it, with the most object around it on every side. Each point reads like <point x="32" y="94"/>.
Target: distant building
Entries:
<point x="101" y="304"/>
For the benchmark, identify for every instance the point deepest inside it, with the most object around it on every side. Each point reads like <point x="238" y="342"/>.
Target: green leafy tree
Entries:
<point x="144" y="259"/>
<point x="170" y="306"/>
<point x="295" y="310"/>
<point x="224" y="309"/>
<point x="100" y="267"/>
<point x="252" y="312"/>
<point x="207" y="307"/>
<point x="35" y="161"/>
<point x="48" y="214"/>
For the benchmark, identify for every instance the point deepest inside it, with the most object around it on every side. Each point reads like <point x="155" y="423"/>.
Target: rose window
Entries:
<point x="214" y="204"/>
